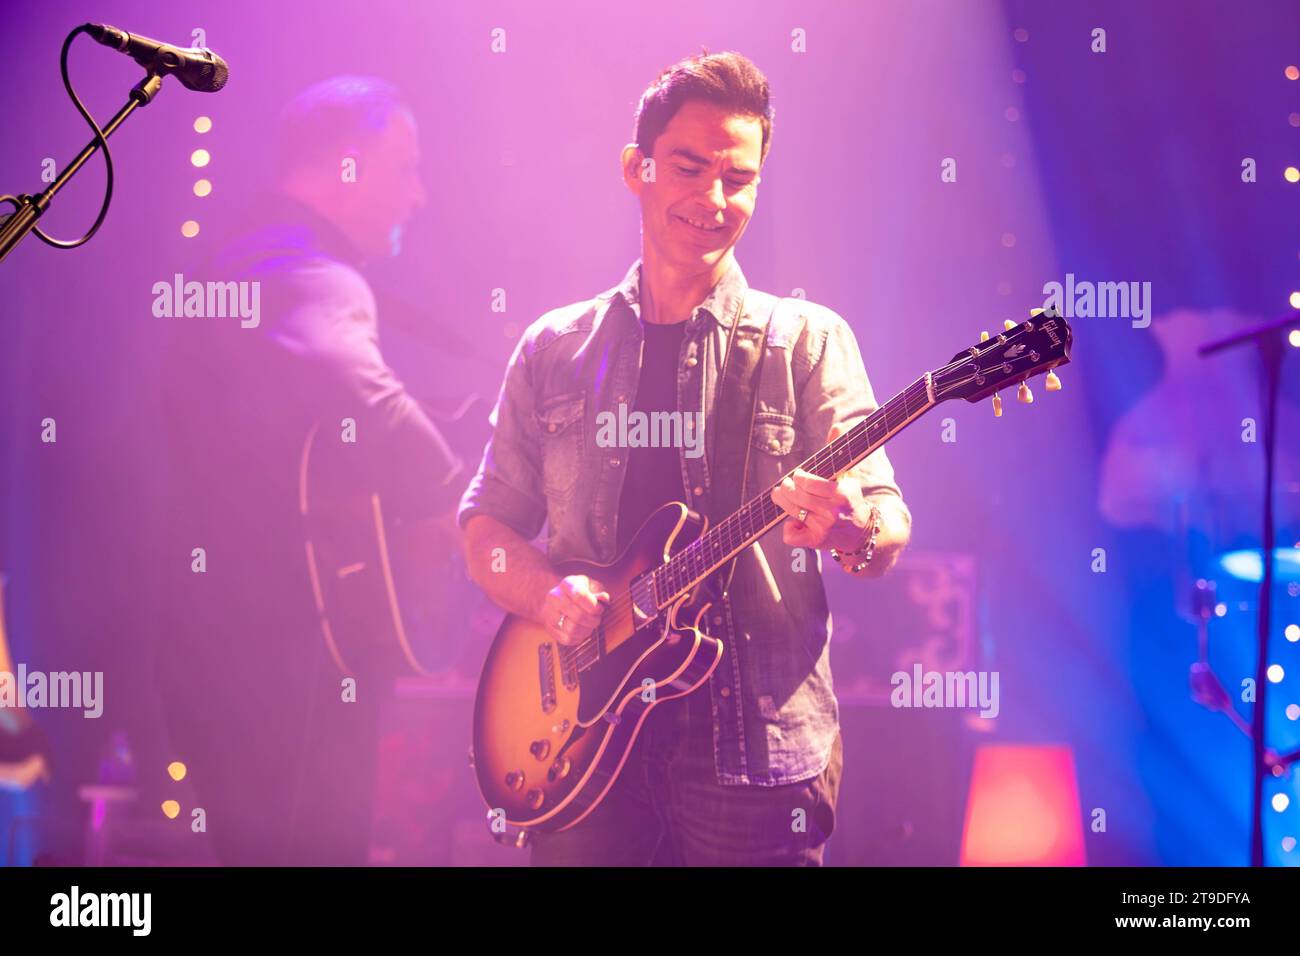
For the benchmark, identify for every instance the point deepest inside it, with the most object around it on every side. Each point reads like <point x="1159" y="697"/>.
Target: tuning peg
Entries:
<point x="1023" y="394"/>
<point x="997" y="406"/>
<point x="1036" y="312"/>
<point x="1053" y="383"/>
<point x="1008" y="325"/>
<point x="984" y="336"/>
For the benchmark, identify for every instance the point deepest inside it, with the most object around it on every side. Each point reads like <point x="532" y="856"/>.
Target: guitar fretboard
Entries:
<point x="688" y="567"/>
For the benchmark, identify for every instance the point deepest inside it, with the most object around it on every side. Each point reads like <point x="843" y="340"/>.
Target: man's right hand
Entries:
<point x="573" y="608"/>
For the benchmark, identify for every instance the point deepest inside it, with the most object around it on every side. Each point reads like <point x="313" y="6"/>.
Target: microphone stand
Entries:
<point x="31" y="208"/>
<point x="1269" y="340"/>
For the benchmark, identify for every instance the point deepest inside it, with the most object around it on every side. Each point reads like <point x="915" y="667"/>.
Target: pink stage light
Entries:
<point x="1023" y="808"/>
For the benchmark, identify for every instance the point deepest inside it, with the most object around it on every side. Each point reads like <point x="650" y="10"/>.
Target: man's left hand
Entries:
<point x="837" y="515"/>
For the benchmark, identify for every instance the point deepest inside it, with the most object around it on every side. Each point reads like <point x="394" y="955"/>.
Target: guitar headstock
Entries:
<point x="1018" y="354"/>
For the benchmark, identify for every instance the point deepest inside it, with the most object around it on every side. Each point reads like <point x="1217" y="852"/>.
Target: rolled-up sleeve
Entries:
<point x="838" y="390"/>
<point x="508" y="484"/>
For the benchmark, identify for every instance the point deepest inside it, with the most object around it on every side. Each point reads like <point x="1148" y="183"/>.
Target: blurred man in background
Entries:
<point x="282" y="760"/>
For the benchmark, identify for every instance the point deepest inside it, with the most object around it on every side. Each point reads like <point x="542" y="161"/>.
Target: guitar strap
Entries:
<point x="736" y="403"/>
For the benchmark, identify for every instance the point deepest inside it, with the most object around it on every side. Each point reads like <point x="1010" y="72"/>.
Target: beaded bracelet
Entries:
<point x="869" y="549"/>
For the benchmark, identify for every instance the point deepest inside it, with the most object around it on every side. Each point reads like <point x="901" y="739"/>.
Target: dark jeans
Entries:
<point x="667" y="809"/>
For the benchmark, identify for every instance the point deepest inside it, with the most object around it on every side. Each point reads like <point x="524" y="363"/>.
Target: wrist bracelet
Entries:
<point x="867" y="551"/>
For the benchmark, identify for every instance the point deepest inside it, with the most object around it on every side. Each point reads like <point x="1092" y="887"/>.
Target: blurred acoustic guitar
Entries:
<point x="386" y="584"/>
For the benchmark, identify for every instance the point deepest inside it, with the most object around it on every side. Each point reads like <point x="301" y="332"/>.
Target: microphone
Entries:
<point x="198" y="68"/>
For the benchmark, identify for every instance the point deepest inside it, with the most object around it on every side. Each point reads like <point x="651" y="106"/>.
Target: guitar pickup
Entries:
<point x="569" y="668"/>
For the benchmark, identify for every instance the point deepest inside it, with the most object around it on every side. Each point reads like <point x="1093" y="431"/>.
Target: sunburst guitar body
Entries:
<point x="553" y="723"/>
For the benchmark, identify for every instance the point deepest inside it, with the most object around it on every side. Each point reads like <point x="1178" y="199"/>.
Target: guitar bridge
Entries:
<point x="546" y="675"/>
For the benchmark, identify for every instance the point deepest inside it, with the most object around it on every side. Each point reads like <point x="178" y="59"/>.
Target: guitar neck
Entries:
<point x="694" y="563"/>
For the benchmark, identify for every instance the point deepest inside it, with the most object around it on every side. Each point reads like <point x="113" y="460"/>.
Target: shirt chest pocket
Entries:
<point x="560" y="423"/>
<point x="773" y="440"/>
<point x="773" y="434"/>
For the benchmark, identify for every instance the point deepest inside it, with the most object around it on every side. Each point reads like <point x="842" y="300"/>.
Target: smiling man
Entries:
<point x="746" y="769"/>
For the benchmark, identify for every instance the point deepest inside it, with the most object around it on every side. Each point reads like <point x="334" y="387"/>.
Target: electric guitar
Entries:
<point x="553" y="723"/>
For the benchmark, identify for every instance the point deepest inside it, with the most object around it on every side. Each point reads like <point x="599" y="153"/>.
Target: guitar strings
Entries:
<point x="679" y="566"/>
<point x="678" y="572"/>
<point x="760" y="514"/>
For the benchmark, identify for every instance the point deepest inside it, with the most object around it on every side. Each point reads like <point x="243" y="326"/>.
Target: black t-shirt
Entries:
<point x="654" y="475"/>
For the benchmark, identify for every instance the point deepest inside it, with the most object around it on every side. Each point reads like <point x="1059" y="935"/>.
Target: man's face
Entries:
<point x="706" y="164"/>
<point x="388" y="187"/>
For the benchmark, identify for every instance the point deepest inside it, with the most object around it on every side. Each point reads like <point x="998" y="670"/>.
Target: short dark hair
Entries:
<point x="326" y="117"/>
<point x="730" y="80"/>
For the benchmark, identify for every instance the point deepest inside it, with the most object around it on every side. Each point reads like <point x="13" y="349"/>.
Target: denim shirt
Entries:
<point x="775" y="715"/>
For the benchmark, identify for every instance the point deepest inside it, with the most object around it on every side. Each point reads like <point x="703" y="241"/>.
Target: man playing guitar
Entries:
<point x="283" y="753"/>
<point x="745" y="770"/>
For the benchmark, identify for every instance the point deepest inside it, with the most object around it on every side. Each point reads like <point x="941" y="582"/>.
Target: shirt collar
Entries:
<point x="719" y="305"/>
<point x="294" y="224"/>
<point x="328" y="237"/>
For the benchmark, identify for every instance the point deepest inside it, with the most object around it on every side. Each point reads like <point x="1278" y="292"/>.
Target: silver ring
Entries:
<point x="803" y="514"/>
<point x="560" y="622"/>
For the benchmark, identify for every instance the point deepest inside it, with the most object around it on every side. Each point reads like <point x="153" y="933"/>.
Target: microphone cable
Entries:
<point x="103" y="146"/>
